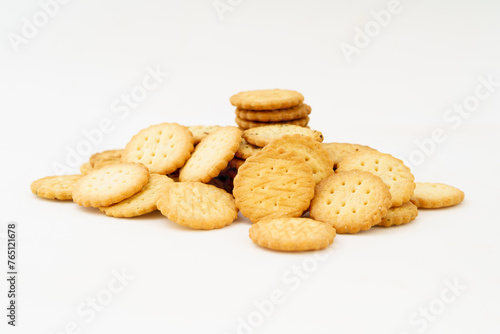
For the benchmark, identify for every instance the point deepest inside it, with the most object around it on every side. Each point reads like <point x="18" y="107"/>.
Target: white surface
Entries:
<point x="394" y="92"/>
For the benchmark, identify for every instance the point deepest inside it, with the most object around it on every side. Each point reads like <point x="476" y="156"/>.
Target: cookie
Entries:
<point x="273" y="184"/>
<point x="292" y="234"/>
<point x="436" y="195"/>
<point x="162" y="148"/>
<point x="197" y="205"/>
<point x="110" y="184"/>
<point x="246" y="150"/>
<point x="338" y="151"/>
<point x="351" y="201"/>
<point x="278" y="115"/>
<point x="267" y="99"/>
<point x="211" y="155"/>
<point x="201" y="131"/>
<point x="307" y="148"/>
<point x="399" y="215"/>
<point x="106" y="158"/>
<point x="392" y="171"/>
<point x="141" y="203"/>
<point x="55" y="187"/>
<point x="236" y="163"/>
<point x="261" y="136"/>
<point x="86" y="168"/>
<point x="244" y="124"/>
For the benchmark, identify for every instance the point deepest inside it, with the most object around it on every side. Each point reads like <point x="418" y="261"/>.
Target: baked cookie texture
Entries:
<point x="197" y="205"/>
<point x="351" y="201"/>
<point x="267" y="99"/>
<point x="429" y="195"/>
<point x="162" y="148"/>
<point x="292" y="234"/>
<point x="110" y="184"/>
<point x="273" y="184"/>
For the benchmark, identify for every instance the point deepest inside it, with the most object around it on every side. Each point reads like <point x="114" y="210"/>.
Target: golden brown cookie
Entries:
<point x="261" y="136"/>
<point x="392" y="171"/>
<point x="86" y="168"/>
<point x="351" y="201"/>
<point x="201" y="131"/>
<point x="236" y="163"/>
<point x="246" y="150"/>
<point x="110" y="184"/>
<point x="436" y="195"/>
<point x="278" y="115"/>
<point x="339" y="151"/>
<point x="244" y="124"/>
<point x="162" y="148"/>
<point x="307" y="148"/>
<point x="292" y="234"/>
<point x="106" y="158"/>
<point x="211" y="155"/>
<point x="399" y="215"/>
<point x="267" y="99"/>
<point x="55" y="187"/>
<point x="197" y="205"/>
<point x="141" y="203"/>
<point x="273" y="184"/>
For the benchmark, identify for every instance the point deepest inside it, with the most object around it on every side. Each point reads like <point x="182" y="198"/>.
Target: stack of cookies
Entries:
<point x="272" y="106"/>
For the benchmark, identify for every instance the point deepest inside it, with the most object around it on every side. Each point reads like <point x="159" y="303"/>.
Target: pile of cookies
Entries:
<point x="296" y="190"/>
<point x="273" y="106"/>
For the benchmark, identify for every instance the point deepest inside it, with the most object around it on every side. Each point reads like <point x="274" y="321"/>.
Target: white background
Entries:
<point x="393" y="93"/>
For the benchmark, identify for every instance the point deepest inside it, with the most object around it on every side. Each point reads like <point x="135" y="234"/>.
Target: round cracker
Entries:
<point x="309" y="149"/>
<point x="292" y="234"/>
<point x="211" y="155"/>
<point x="391" y="170"/>
<point x="338" y="151"/>
<point x="236" y="163"/>
<point x="436" y="195"/>
<point x="201" y="131"/>
<point x="261" y="136"/>
<point x="110" y="184"/>
<point x="278" y="115"/>
<point x="197" y="205"/>
<point x="273" y="184"/>
<point x="162" y="148"/>
<point x="55" y="187"/>
<point x="351" y="201"/>
<point x="267" y="99"/>
<point x="109" y="157"/>
<point x="141" y="203"/>
<point x="246" y="150"/>
<point x="399" y="215"/>
<point x="244" y="124"/>
<point x="86" y="168"/>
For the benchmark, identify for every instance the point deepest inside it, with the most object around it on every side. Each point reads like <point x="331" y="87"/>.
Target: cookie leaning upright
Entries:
<point x="273" y="184"/>
<point x="110" y="184"/>
<point x="211" y="155"/>
<point x="267" y="99"/>
<point x="309" y="149"/>
<point x="162" y="148"/>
